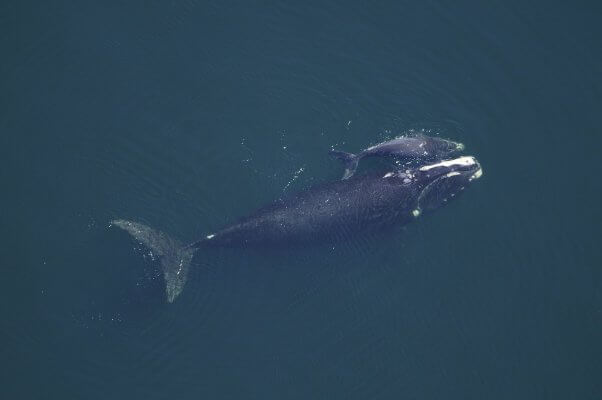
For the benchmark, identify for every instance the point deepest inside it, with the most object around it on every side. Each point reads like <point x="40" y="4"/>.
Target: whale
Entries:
<point x="328" y="212"/>
<point x="418" y="147"/>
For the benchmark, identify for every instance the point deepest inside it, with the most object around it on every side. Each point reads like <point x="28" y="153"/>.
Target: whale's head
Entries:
<point x="442" y="181"/>
<point x="442" y="148"/>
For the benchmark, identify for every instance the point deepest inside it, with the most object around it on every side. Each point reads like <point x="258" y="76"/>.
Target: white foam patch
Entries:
<point x="465" y="161"/>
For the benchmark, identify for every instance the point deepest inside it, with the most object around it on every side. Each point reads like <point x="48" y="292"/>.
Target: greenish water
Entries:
<point x="187" y="115"/>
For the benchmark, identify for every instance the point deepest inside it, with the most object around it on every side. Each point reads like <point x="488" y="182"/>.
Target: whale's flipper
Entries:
<point x="174" y="257"/>
<point x="350" y="161"/>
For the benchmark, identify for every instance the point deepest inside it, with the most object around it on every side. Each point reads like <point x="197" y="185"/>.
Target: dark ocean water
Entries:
<point x="187" y="115"/>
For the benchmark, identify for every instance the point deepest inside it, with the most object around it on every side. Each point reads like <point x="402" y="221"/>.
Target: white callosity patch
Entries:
<point x="406" y="176"/>
<point x="210" y="236"/>
<point x="477" y="174"/>
<point x="462" y="161"/>
<point x="416" y="212"/>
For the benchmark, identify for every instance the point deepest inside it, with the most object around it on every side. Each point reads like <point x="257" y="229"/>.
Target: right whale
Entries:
<point x="324" y="213"/>
<point x="418" y="147"/>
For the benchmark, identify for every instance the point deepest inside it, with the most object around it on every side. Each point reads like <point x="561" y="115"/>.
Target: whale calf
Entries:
<point x="328" y="212"/>
<point x="420" y="147"/>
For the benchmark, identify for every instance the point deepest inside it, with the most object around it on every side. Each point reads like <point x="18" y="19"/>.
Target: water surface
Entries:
<point x="187" y="115"/>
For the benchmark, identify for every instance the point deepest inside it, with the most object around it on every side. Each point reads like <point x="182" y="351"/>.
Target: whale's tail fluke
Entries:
<point x="350" y="160"/>
<point x="174" y="257"/>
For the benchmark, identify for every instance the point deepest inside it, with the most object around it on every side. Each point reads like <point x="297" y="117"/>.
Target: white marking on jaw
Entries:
<point x="466" y="161"/>
<point x="476" y="175"/>
<point x="210" y="236"/>
<point x="453" y="173"/>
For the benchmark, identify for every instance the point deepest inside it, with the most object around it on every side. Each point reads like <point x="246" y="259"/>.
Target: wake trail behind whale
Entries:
<point x="175" y="258"/>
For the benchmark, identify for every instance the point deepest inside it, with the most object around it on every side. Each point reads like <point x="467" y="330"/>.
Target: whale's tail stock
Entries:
<point x="350" y="160"/>
<point x="174" y="257"/>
